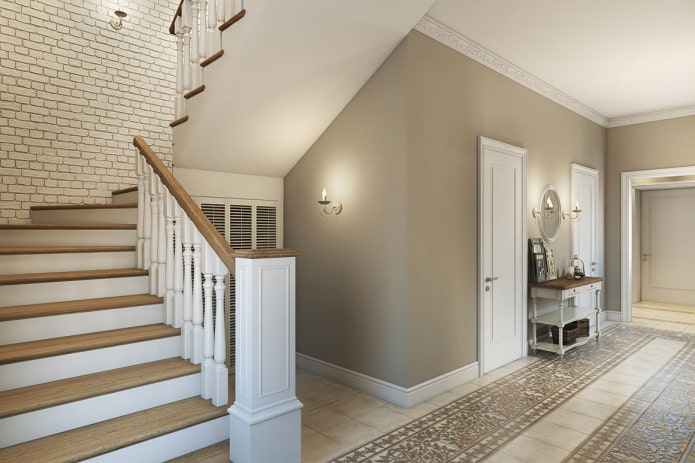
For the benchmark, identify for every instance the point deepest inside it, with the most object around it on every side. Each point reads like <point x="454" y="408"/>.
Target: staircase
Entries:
<point x="88" y="368"/>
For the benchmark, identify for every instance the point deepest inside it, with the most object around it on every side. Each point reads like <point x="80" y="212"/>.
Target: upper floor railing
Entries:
<point x="198" y="25"/>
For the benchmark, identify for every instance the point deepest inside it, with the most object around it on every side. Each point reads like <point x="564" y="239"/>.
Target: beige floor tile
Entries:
<point x="589" y="408"/>
<point x="354" y="406"/>
<point x="630" y="380"/>
<point x="499" y="457"/>
<point x="553" y="434"/>
<point x="466" y="388"/>
<point x="602" y="397"/>
<point x="443" y="399"/>
<point x="535" y="451"/>
<point x="351" y="433"/>
<point x="416" y="411"/>
<point x="320" y="449"/>
<point x="573" y="420"/>
<point x="307" y="432"/>
<point x="384" y="419"/>
<point x="622" y="389"/>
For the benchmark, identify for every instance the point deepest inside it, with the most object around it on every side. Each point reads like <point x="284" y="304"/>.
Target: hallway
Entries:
<point x="626" y="398"/>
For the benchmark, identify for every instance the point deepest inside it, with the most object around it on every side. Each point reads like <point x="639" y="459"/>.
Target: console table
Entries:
<point x="560" y="290"/>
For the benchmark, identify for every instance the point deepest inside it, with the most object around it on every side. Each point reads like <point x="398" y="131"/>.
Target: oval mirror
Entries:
<point x="550" y="217"/>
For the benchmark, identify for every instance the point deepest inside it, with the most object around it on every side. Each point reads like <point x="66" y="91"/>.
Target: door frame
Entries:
<point x="521" y="276"/>
<point x="676" y="177"/>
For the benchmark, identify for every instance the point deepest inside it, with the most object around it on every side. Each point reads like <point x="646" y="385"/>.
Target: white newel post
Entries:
<point x="265" y="420"/>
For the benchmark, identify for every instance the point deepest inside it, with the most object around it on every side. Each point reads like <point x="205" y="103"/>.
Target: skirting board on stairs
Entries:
<point x="401" y="396"/>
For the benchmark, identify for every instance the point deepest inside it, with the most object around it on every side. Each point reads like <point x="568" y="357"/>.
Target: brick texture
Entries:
<point x="73" y="94"/>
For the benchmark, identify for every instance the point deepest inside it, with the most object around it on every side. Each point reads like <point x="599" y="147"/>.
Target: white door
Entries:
<point x="584" y="231"/>
<point x="502" y="253"/>
<point x="668" y="247"/>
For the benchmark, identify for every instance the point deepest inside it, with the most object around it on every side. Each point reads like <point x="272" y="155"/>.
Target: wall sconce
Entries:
<point x="329" y="207"/>
<point x="549" y="210"/>
<point x="573" y="215"/>
<point x="117" y="21"/>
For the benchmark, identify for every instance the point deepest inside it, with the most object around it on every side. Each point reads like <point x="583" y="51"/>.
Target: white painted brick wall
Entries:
<point x="73" y="94"/>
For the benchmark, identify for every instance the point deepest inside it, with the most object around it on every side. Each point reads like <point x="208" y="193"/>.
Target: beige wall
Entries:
<point x="388" y="288"/>
<point x="653" y="145"/>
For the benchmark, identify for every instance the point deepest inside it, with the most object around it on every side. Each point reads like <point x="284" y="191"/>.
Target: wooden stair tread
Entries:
<point x="233" y="20"/>
<point x="64" y="249"/>
<point x="214" y="57"/>
<point x="24" y="278"/>
<point x="69" y="226"/>
<point x="60" y="207"/>
<point x="32" y="350"/>
<point x="19" y="312"/>
<point x="216" y="453"/>
<point x="27" y="399"/>
<point x="107" y="436"/>
<point x="194" y="92"/>
<point x="124" y="190"/>
<point x="179" y="121"/>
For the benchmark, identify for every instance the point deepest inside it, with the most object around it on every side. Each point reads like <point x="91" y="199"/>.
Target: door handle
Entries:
<point x="489" y="279"/>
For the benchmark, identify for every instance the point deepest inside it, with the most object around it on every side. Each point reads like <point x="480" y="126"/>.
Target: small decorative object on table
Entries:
<point x="576" y="269"/>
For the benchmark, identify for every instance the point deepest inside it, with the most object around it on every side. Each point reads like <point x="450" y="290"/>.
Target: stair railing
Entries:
<point x="181" y="249"/>
<point x="198" y="26"/>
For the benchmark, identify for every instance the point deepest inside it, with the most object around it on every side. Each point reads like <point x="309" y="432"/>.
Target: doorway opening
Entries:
<point x="645" y="274"/>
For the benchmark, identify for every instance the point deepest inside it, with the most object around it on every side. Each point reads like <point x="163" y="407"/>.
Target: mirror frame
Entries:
<point x="547" y="233"/>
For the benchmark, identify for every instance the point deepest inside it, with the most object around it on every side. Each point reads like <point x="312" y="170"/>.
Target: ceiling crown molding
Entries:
<point x="434" y="29"/>
<point x="652" y="116"/>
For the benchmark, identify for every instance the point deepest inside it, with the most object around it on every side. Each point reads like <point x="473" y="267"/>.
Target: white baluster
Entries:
<point x="178" y="266"/>
<point x="187" y="288"/>
<point x="154" y="238"/>
<point x="180" y="101"/>
<point x="197" y="335"/>
<point x="203" y="43"/>
<point x="229" y="9"/>
<point x="214" y="21"/>
<point x="196" y="75"/>
<point x="221" y="378"/>
<point x="147" y="218"/>
<point x="186" y="26"/>
<point x="139" y="166"/>
<point x="161" y="240"/>
<point x="169" y="276"/>
<point x="207" y="368"/>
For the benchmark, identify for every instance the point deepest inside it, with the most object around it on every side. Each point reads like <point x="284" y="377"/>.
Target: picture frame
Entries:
<point x="538" y="269"/>
<point x="550" y="263"/>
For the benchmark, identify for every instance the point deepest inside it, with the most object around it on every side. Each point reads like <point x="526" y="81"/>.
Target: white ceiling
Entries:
<point x="619" y="57"/>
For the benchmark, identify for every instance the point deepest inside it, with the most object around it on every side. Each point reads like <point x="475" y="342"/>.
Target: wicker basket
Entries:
<point x="583" y="328"/>
<point x="569" y="334"/>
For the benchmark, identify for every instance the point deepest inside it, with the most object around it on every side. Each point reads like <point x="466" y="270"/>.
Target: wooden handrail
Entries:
<point x="210" y="234"/>
<point x="172" y="27"/>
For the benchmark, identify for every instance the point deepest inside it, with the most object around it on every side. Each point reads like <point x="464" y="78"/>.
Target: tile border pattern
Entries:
<point x="471" y="428"/>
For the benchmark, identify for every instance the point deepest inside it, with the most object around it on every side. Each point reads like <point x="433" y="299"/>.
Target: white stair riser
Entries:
<point x="171" y="445"/>
<point x="130" y="197"/>
<point x="41" y="423"/>
<point x="101" y="216"/>
<point x="65" y="262"/>
<point x="55" y="326"/>
<point x="58" y="291"/>
<point x="30" y="372"/>
<point x="68" y="237"/>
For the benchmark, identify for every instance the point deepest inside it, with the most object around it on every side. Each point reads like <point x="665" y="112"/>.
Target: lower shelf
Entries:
<point x="558" y="349"/>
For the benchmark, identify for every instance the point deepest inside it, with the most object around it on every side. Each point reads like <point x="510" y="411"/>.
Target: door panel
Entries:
<point x="502" y="253"/>
<point x="584" y="231"/>
<point x="668" y="248"/>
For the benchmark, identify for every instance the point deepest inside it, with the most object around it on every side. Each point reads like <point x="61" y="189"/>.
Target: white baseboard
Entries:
<point x="613" y="315"/>
<point x="401" y="396"/>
